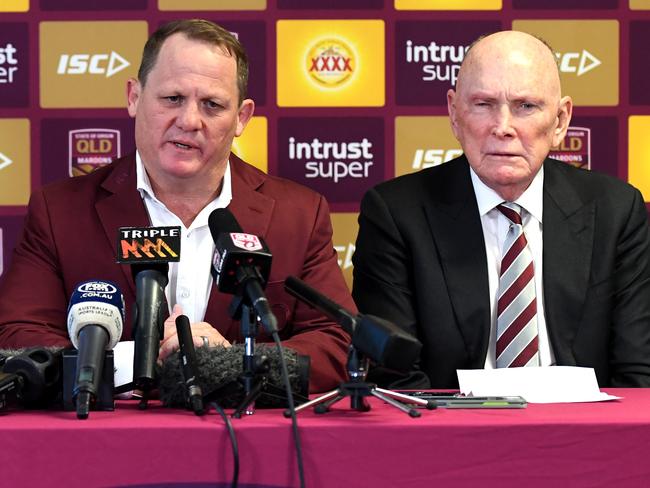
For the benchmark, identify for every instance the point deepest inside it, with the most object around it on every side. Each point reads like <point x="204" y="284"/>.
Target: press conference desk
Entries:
<point x="573" y="445"/>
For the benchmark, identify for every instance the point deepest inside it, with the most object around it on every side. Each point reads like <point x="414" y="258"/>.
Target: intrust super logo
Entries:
<point x="339" y="158"/>
<point x="429" y="55"/>
<point x="587" y="53"/>
<point x="94" y="64"/>
<point x="14" y="64"/>
<point x="330" y="63"/>
<point x="423" y="142"/>
<point x="86" y="64"/>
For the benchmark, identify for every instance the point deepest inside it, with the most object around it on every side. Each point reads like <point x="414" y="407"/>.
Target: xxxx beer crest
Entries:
<point x="330" y="63"/>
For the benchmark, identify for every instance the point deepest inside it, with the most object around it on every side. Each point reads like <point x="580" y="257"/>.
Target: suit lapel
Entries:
<point x="568" y="229"/>
<point x="123" y="206"/>
<point x="253" y="211"/>
<point x="453" y="217"/>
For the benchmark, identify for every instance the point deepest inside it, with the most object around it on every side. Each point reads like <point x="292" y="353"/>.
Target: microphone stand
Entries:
<point x="357" y="388"/>
<point x="254" y="367"/>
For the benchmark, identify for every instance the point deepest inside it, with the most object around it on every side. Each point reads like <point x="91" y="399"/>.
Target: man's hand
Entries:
<point x="202" y="334"/>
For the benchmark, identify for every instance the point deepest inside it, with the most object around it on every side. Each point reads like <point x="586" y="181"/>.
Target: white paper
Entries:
<point x="553" y="384"/>
<point x="123" y="362"/>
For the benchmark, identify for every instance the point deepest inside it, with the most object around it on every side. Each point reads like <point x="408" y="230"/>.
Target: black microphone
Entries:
<point x="187" y="357"/>
<point x="378" y="339"/>
<point x="95" y="318"/>
<point x="241" y="264"/>
<point x="148" y="250"/>
<point x="31" y="377"/>
<point x="218" y="370"/>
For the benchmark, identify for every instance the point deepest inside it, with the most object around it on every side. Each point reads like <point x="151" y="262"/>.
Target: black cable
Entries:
<point x="292" y="409"/>
<point x="233" y="443"/>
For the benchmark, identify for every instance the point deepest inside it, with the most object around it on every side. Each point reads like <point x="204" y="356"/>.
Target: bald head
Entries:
<point x="507" y="110"/>
<point x="514" y="51"/>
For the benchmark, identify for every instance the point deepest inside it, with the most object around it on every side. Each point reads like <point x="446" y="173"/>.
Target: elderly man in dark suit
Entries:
<point x="189" y="102"/>
<point x="504" y="257"/>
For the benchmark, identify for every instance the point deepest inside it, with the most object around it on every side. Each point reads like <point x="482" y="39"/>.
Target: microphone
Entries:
<point x="148" y="250"/>
<point x="187" y="357"/>
<point x="219" y="369"/>
<point x="95" y="318"/>
<point x="380" y="340"/>
<point x="31" y="377"/>
<point x="241" y="264"/>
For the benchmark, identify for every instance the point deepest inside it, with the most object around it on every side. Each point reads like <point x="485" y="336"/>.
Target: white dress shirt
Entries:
<point x="495" y="228"/>
<point x="190" y="280"/>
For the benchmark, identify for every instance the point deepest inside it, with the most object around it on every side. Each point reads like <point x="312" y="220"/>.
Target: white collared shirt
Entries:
<point x="190" y="280"/>
<point x="495" y="228"/>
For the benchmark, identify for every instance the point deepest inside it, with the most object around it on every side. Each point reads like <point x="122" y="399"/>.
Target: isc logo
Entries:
<point x="579" y="63"/>
<point x="94" y="64"/>
<point x="346" y="253"/>
<point x="433" y="157"/>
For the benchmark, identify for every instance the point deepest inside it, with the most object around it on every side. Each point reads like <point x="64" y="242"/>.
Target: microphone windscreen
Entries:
<point x="222" y="221"/>
<point x="41" y="369"/>
<point x="218" y="370"/>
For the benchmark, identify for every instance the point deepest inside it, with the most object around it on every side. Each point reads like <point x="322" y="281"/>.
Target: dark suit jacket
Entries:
<point x="420" y="261"/>
<point x="70" y="236"/>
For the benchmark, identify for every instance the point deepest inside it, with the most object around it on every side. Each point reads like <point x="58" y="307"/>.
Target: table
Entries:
<point x="572" y="445"/>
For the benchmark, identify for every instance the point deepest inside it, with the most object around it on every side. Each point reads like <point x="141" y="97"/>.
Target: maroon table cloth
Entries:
<point x="587" y="444"/>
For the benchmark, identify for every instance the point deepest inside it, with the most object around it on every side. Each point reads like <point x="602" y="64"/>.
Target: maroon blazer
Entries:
<point x="70" y="235"/>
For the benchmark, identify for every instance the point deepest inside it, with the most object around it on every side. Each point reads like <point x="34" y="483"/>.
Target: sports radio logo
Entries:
<point x="575" y="148"/>
<point x="247" y="242"/>
<point x="330" y="63"/>
<point x="90" y="149"/>
<point x="94" y="64"/>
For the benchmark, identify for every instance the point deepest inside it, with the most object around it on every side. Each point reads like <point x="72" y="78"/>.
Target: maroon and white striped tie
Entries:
<point x="517" y="337"/>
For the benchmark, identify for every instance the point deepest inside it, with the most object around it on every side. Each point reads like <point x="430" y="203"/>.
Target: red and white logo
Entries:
<point x="248" y="242"/>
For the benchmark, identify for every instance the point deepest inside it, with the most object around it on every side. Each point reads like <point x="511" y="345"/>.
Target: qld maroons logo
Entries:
<point x="90" y="149"/>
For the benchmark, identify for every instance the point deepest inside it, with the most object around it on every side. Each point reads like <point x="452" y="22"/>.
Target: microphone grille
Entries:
<point x="220" y="221"/>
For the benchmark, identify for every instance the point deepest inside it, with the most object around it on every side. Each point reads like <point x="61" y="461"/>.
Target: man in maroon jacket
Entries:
<point x="189" y="102"/>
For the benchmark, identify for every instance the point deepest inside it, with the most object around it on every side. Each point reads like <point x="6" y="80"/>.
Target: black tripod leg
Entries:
<point x="404" y="408"/>
<point x="324" y="406"/>
<point x="248" y="400"/>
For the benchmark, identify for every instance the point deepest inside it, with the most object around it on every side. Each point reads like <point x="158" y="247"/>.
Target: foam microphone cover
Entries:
<point x="41" y="369"/>
<point x="218" y="369"/>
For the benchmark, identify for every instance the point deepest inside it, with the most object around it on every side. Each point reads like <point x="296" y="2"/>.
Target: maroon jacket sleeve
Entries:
<point x="32" y="297"/>
<point x="312" y="333"/>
